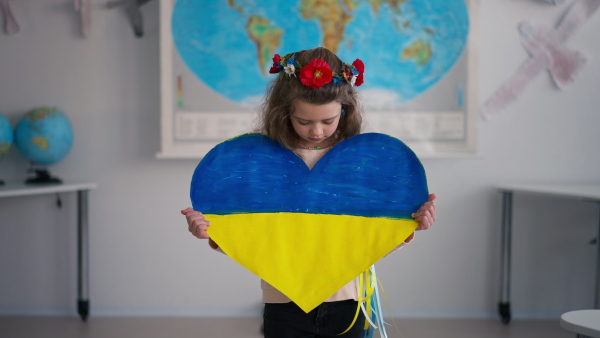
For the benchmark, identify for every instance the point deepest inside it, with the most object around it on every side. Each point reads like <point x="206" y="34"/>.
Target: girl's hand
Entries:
<point x="426" y="214"/>
<point x="197" y="223"/>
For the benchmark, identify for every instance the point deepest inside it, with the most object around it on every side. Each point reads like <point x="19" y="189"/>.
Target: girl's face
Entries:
<point x="315" y="123"/>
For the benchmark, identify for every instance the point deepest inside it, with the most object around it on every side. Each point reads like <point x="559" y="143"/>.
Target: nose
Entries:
<point x="316" y="130"/>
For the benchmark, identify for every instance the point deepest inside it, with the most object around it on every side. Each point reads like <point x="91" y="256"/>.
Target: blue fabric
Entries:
<point x="370" y="175"/>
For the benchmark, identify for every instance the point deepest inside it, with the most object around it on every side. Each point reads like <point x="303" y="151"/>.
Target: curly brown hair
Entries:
<point x="283" y="91"/>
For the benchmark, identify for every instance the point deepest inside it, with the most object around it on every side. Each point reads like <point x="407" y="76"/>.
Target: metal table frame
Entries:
<point x="82" y="190"/>
<point x="584" y="192"/>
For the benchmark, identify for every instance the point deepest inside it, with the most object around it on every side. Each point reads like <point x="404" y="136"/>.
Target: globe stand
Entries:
<point x="42" y="176"/>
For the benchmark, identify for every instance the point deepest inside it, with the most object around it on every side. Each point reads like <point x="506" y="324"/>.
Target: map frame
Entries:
<point x="190" y="129"/>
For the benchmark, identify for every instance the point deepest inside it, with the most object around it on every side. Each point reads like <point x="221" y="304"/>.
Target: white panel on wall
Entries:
<point x="143" y="260"/>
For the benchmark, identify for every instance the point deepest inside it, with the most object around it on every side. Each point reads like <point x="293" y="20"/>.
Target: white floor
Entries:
<point x="147" y="327"/>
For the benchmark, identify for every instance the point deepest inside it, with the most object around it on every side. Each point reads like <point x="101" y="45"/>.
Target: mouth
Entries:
<point x="316" y="139"/>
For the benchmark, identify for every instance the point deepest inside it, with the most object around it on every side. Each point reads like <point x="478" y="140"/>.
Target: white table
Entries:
<point x="584" y="192"/>
<point x="82" y="189"/>
<point x="585" y="323"/>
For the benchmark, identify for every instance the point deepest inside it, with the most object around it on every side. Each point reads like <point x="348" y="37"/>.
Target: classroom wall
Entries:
<point x="142" y="259"/>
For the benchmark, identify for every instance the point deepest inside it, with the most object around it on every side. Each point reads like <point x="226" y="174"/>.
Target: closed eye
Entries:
<point x="305" y="122"/>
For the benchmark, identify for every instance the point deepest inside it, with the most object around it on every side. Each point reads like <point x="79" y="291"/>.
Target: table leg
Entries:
<point x="83" y="303"/>
<point x="505" y="252"/>
<point x="597" y="300"/>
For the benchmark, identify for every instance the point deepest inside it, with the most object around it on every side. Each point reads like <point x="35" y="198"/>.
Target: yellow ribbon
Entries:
<point x="366" y="288"/>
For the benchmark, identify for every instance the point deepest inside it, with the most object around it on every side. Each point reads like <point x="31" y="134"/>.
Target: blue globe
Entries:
<point x="44" y="135"/>
<point x="6" y="136"/>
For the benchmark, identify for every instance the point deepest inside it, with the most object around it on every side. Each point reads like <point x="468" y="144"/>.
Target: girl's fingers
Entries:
<point x="200" y="231"/>
<point x="197" y="223"/>
<point x="424" y="213"/>
<point x="427" y="210"/>
<point x="425" y="219"/>
<point x="199" y="227"/>
<point x="189" y="212"/>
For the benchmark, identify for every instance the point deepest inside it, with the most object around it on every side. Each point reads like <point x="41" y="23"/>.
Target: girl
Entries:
<point x="310" y="107"/>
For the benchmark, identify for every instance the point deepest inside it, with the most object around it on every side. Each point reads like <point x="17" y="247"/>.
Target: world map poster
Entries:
<point x="419" y="66"/>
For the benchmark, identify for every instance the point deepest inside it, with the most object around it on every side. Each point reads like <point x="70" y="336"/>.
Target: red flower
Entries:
<point x="360" y="66"/>
<point x="276" y="68"/>
<point x="316" y="73"/>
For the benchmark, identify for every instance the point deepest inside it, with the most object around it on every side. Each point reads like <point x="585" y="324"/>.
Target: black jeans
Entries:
<point x="287" y="320"/>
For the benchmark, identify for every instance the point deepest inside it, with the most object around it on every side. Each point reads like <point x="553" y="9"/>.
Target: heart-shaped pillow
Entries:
<point x="309" y="232"/>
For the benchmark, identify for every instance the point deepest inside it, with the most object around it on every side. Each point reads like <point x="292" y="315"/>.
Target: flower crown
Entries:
<point x="317" y="72"/>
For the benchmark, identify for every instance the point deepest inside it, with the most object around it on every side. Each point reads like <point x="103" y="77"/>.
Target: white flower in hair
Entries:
<point x="290" y="69"/>
<point x="289" y="66"/>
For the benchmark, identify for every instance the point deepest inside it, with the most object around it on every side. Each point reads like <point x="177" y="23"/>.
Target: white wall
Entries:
<point x="143" y="261"/>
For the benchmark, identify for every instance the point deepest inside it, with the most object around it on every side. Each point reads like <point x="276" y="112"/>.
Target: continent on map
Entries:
<point x="266" y="37"/>
<point x="419" y="51"/>
<point x="41" y="142"/>
<point x="233" y="5"/>
<point x="40" y="114"/>
<point x="332" y="16"/>
<point x="393" y="4"/>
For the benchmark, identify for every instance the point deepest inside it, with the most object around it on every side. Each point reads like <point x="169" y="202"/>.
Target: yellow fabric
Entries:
<point x="308" y="257"/>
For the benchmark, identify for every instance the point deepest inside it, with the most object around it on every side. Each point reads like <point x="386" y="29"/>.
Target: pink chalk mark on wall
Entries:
<point x="85" y="15"/>
<point x="11" y="26"/>
<point x="547" y="50"/>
